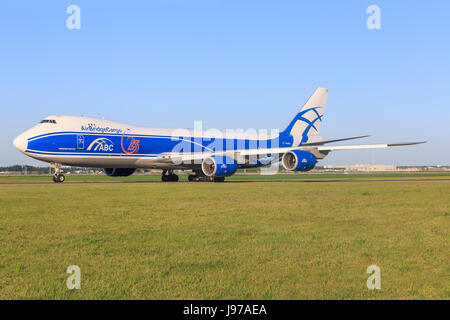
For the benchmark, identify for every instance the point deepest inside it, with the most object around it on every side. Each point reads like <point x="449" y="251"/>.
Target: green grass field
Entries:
<point x="278" y="240"/>
<point x="237" y="177"/>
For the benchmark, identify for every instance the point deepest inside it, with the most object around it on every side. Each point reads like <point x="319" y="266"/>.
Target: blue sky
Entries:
<point x="233" y="64"/>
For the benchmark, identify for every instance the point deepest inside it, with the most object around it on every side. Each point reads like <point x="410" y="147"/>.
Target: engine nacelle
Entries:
<point x="119" y="172"/>
<point x="219" y="166"/>
<point x="298" y="160"/>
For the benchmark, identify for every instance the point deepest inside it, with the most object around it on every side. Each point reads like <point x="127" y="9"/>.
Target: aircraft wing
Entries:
<point x="330" y="141"/>
<point x="366" y="146"/>
<point x="319" y="148"/>
<point x="239" y="155"/>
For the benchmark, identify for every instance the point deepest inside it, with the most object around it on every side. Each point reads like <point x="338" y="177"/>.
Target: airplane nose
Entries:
<point x="21" y="143"/>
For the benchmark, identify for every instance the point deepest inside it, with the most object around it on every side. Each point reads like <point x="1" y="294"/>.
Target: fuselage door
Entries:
<point x="80" y="142"/>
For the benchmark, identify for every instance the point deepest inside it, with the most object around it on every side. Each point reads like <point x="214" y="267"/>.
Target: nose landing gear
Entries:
<point x="58" y="177"/>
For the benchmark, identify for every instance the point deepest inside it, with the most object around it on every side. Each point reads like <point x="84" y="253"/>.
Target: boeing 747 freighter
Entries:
<point x="211" y="155"/>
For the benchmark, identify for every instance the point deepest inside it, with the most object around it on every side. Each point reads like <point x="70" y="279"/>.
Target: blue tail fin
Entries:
<point x="307" y="122"/>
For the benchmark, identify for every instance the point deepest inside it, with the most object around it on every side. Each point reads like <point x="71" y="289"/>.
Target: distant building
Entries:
<point x="383" y="168"/>
<point x="362" y="167"/>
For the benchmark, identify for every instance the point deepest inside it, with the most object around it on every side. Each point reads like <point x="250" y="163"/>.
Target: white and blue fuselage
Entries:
<point x="212" y="155"/>
<point x="92" y="142"/>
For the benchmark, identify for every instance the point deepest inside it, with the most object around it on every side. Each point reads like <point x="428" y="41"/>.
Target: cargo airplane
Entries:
<point x="211" y="155"/>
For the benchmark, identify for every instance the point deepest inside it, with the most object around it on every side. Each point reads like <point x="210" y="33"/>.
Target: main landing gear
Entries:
<point x="200" y="176"/>
<point x="168" y="175"/>
<point x="58" y="177"/>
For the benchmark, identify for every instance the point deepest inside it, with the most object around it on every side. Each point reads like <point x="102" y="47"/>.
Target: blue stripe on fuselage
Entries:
<point x="105" y="144"/>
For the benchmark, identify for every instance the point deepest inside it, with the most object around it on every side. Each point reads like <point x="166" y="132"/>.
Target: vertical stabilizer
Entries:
<point x="306" y="123"/>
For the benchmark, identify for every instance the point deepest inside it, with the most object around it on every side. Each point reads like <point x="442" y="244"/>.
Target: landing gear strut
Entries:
<point x="58" y="177"/>
<point x="168" y="175"/>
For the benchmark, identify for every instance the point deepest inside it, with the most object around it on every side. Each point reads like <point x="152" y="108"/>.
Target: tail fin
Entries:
<point x="307" y="122"/>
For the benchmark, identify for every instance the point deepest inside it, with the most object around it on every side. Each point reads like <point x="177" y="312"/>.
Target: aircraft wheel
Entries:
<point x="59" y="178"/>
<point x="169" y="177"/>
<point x="219" y="179"/>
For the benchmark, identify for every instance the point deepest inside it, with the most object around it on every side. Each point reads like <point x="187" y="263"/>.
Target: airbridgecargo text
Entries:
<point x="93" y="128"/>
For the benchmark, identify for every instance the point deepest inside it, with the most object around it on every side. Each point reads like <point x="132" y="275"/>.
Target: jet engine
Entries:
<point x="219" y="166"/>
<point x="298" y="160"/>
<point x="119" y="172"/>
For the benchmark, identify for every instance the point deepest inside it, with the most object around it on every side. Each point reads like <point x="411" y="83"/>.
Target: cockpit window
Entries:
<point x="48" y="121"/>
